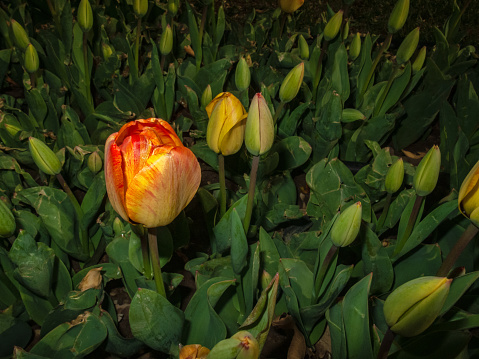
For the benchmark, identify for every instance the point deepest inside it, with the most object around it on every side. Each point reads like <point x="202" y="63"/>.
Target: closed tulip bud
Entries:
<point x="407" y="47"/>
<point x="303" y="48"/>
<point x="332" y="27"/>
<point x="94" y="162"/>
<point x="85" y="15"/>
<point x="172" y="7"/>
<point x="355" y="47"/>
<point x="12" y="129"/>
<point x="166" y="41"/>
<point x="7" y="221"/>
<point x="292" y="83"/>
<point x="427" y="172"/>
<point x="259" y="132"/>
<point x="345" y="32"/>
<point x="106" y="50"/>
<point x="346" y="227"/>
<point x="140" y="7"/>
<point x="206" y="97"/>
<point x="398" y="16"/>
<point x="20" y="36"/>
<point x="150" y="176"/>
<point x="242" y="75"/>
<point x="226" y="126"/>
<point x="395" y="176"/>
<point x="419" y="61"/>
<point x="32" y="62"/>
<point x="249" y="345"/>
<point x="468" y="200"/>
<point x="44" y="157"/>
<point x="194" y="351"/>
<point x="412" y="308"/>
<point x="290" y="6"/>
<point x="118" y="226"/>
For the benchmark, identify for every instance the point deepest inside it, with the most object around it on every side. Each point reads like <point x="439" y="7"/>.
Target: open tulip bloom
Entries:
<point x="150" y="175"/>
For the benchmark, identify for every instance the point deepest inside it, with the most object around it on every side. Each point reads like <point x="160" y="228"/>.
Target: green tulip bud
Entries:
<point x="419" y="61"/>
<point x="166" y="41"/>
<point x="242" y="75"/>
<point x="398" y="16"/>
<point x="31" y="60"/>
<point x="351" y="115"/>
<point x="291" y="83"/>
<point x="395" y="176"/>
<point x="140" y="7"/>
<point x="332" y="27"/>
<point x="346" y="227"/>
<point x="44" y="157"/>
<point x="346" y="31"/>
<point x="427" y="172"/>
<point x="106" y="50"/>
<point x="407" y="47"/>
<point x="85" y="16"/>
<point x="259" y="132"/>
<point x="412" y="308"/>
<point x="94" y="162"/>
<point x="7" y="221"/>
<point x="206" y="97"/>
<point x="355" y="47"/>
<point x="303" y="48"/>
<point x="172" y="7"/>
<point x="20" y="36"/>
<point x="12" y="129"/>
<point x="118" y="226"/>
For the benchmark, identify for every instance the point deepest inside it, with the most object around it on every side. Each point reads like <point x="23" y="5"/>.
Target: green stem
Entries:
<point x="144" y="251"/>
<point x="87" y="68"/>
<point x="33" y="79"/>
<point x="252" y="186"/>
<point x="381" y="99"/>
<point x="155" y="258"/>
<point x="283" y="21"/>
<point x="386" y="344"/>
<point x="56" y="18"/>
<point x="383" y="216"/>
<point x="410" y="225"/>
<point x="278" y="112"/>
<point x="221" y="173"/>
<point x="319" y="67"/>
<point x="458" y="248"/>
<point x="322" y="271"/>
<point x="383" y="48"/>
<point x="137" y="45"/>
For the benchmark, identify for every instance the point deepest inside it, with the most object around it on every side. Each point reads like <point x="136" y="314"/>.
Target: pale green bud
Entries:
<point x="166" y="41"/>
<point x="106" y="50"/>
<point x="346" y="227"/>
<point x="206" y="97"/>
<point x="407" y="47"/>
<point x="259" y="132"/>
<point x="332" y="27"/>
<point x="292" y="83"/>
<point x="412" y="308"/>
<point x="20" y="36"/>
<point x="7" y="221"/>
<point x="395" y="176"/>
<point x="346" y="31"/>
<point x="172" y="7"/>
<point x="398" y="16"/>
<point x="355" y="47"/>
<point x="303" y="48"/>
<point x="140" y="7"/>
<point x="85" y="16"/>
<point x="94" y="162"/>
<point x="419" y="61"/>
<point x="117" y="226"/>
<point x="242" y="75"/>
<point x="427" y="172"/>
<point x="44" y="157"/>
<point x="31" y="60"/>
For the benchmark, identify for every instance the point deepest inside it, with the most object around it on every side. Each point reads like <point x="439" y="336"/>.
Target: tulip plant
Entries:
<point x="180" y="184"/>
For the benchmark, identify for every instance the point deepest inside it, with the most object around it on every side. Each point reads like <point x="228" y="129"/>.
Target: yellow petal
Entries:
<point x="468" y="198"/>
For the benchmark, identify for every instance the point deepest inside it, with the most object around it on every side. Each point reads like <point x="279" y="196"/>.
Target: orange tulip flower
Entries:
<point x="150" y="175"/>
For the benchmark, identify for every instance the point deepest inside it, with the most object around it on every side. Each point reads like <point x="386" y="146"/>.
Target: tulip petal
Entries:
<point x="135" y="150"/>
<point x="163" y="188"/>
<point x="232" y="141"/>
<point x="114" y="176"/>
<point x="468" y="198"/>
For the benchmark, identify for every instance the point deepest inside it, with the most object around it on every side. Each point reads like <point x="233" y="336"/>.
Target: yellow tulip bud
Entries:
<point x="427" y="172"/>
<point x="44" y="157"/>
<point x="242" y="75"/>
<point x="7" y="221"/>
<point x="291" y="83"/>
<point x="355" y="47"/>
<point x="194" y="351"/>
<point x="20" y="36"/>
<point x="346" y="227"/>
<point x="166" y="41"/>
<point x="259" y="132"/>
<point x="419" y="61"/>
<point x="31" y="60"/>
<point x="412" y="308"/>
<point x="290" y="6"/>
<point x="140" y="7"/>
<point x="398" y="16"/>
<point x="248" y="344"/>
<point x="468" y="200"/>
<point x="395" y="176"/>
<point x="332" y="27"/>
<point x="85" y="16"/>
<point x="407" y="47"/>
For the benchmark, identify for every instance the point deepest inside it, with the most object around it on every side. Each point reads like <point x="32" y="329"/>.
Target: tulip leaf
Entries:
<point x="155" y="321"/>
<point x="458" y="287"/>
<point x="334" y="316"/>
<point x="293" y="151"/>
<point x="93" y="199"/>
<point x="398" y="87"/>
<point x="223" y="230"/>
<point x="4" y="62"/>
<point x="14" y="332"/>
<point x="290" y="121"/>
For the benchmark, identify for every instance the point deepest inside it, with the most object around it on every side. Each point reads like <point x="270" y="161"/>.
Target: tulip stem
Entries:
<point x="144" y="252"/>
<point x="456" y="251"/>
<point x="252" y="186"/>
<point x="278" y="112"/>
<point x="322" y="271"/>
<point x="137" y="46"/>
<point x="221" y="173"/>
<point x="87" y="68"/>
<point x="155" y="259"/>
<point x="383" y="48"/>
<point x="383" y="216"/>
<point x="410" y="225"/>
<point x="386" y="344"/>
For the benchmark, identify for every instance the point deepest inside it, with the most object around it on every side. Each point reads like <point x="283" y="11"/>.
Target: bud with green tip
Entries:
<point x="419" y="61"/>
<point x="345" y="32"/>
<point x="44" y="157"/>
<point x="346" y="228"/>
<point x="398" y="16"/>
<point x="242" y="75"/>
<point x="166" y="41"/>
<point x="427" y="172"/>
<point x="106" y="50"/>
<point x="332" y="27"/>
<point x="412" y="308"/>
<point x="85" y="15"/>
<point x="31" y="60"/>
<point x="259" y="132"/>
<point x="140" y="7"/>
<point x="407" y="47"/>
<point x="303" y="48"/>
<point x="395" y="176"/>
<point x="291" y="83"/>
<point x="206" y="97"/>
<point x="118" y="226"/>
<point x="172" y="7"/>
<point x="355" y="47"/>
<point x="94" y="162"/>
<point x="7" y="221"/>
<point x="20" y="36"/>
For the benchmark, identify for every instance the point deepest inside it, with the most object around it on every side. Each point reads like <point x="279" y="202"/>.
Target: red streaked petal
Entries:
<point x="135" y="151"/>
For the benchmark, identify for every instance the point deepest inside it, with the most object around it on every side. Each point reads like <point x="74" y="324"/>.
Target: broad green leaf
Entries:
<point x="334" y="316"/>
<point x="458" y="287"/>
<point x="294" y="151"/>
<point x="223" y="231"/>
<point x="14" y="332"/>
